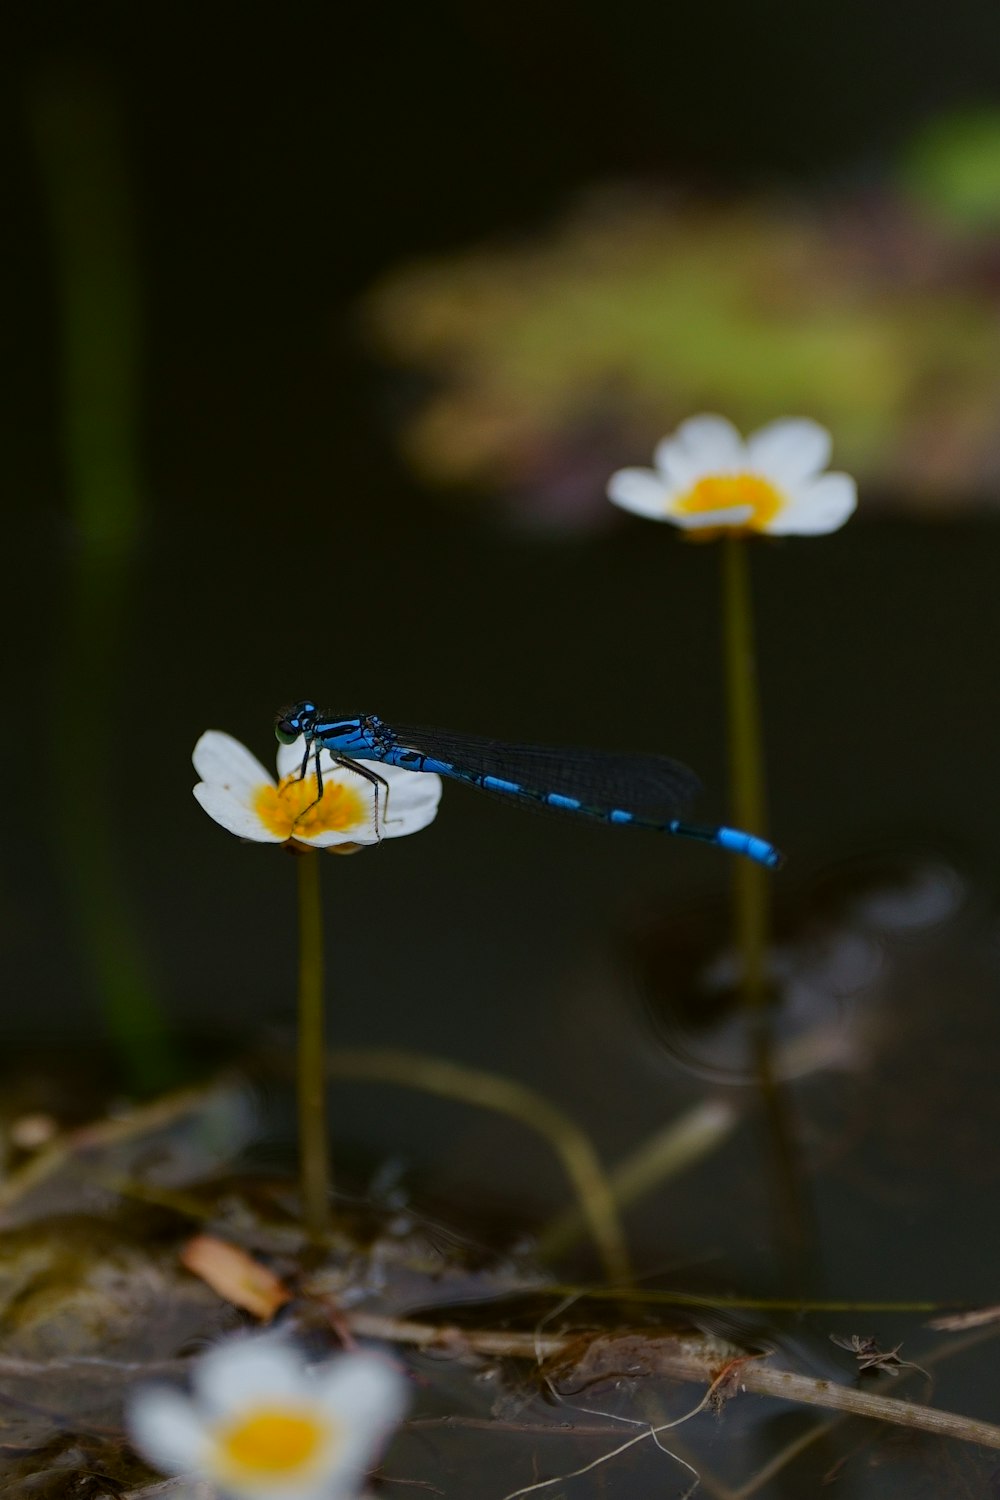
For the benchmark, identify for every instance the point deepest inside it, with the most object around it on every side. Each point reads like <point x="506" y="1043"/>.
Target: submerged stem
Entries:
<point x="751" y="891"/>
<point x="314" y="1160"/>
<point x="450" y="1080"/>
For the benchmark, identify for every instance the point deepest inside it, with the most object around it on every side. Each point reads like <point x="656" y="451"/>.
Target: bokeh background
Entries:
<point x="378" y="297"/>
<point x="272" y="181"/>
<point x="275" y="179"/>
<point x="324" y="327"/>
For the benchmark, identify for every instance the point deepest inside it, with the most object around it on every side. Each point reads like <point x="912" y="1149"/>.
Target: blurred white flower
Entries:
<point x="708" y="480"/>
<point x="237" y="792"/>
<point x="262" y="1425"/>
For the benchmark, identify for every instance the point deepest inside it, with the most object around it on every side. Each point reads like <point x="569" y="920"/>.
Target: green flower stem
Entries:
<point x="314" y="1156"/>
<point x="751" y="889"/>
<point x="84" y="182"/>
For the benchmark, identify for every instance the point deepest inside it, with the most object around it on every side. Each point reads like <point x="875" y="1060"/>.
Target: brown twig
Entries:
<point x="694" y="1358"/>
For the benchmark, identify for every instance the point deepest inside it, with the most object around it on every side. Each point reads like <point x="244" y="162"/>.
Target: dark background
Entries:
<point x="279" y="161"/>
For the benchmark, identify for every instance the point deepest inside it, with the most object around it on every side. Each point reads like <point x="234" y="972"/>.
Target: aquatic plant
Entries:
<point x="237" y="792"/>
<point x="707" y="479"/>
<point x="262" y="1423"/>
<point x="711" y="483"/>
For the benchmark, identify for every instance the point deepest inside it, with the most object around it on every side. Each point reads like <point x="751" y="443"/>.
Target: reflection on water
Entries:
<point x="829" y="964"/>
<point x="893" y="1107"/>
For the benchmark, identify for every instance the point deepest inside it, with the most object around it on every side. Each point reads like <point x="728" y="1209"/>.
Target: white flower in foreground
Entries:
<point x="261" y="1425"/>
<point x="708" y="480"/>
<point x="237" y="792"/>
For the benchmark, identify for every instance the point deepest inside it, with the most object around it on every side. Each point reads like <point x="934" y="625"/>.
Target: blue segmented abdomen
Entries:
<point x="734" y="839"/>
<point x="754" y="848"/>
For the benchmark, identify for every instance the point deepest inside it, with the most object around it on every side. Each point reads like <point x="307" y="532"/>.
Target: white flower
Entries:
<point x="708" y="480"/>
<point x="237" y="792"/>
<point x="261" y="1425"/>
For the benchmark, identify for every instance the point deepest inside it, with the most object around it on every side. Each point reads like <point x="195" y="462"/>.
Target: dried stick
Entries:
<point x="695" y="1358"/>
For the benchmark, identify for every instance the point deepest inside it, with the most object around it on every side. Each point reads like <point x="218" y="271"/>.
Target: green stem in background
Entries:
<point x="314" y="1157"/>
<point x="84" y="182"/>
<point x="751" y="889"/>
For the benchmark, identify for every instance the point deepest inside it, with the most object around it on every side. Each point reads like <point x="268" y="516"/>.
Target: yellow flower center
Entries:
<point x="291" y="809"/>
<point x="269" y="1443"/>
<point x="724" y="492"/>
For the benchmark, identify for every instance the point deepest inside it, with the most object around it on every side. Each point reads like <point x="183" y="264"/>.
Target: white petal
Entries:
<point x="328" y="838"/>
<point x="362" y="1389"/>
<point x="287" y="1489"/>
<point x="701" y="446"/>
<point x="248" y="1372"/>
<point x="368" y="1396"/>
<point x="699" y="520"/>
<point x="234" y="814"/>
<point x="790" y="451"/>
<point x="641" y="491"/>
<point x="223" y="761"/>
<point x="165" y="1428"/>
<point x="818" y="506"/>
<point x="413" y="801"/>
<point x="314" y="1487"/>
<point x="290" y="758"/>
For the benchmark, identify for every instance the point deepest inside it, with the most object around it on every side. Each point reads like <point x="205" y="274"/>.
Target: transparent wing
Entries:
<point x="651" y="786"/>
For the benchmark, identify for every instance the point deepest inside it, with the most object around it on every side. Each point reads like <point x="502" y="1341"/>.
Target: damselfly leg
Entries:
<point x="365" y="772"/>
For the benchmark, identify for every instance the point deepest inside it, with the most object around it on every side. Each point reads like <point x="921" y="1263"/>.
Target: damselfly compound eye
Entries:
<point x="291" y="722"/>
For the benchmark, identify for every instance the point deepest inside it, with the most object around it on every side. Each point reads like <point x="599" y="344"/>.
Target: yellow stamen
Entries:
<point x="269" y="1443"/>
<point x="291" y="810"/>
<point x="724" y="492"/>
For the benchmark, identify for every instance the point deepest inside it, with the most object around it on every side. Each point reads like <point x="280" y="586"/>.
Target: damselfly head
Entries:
<point x="295" y="721"/>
